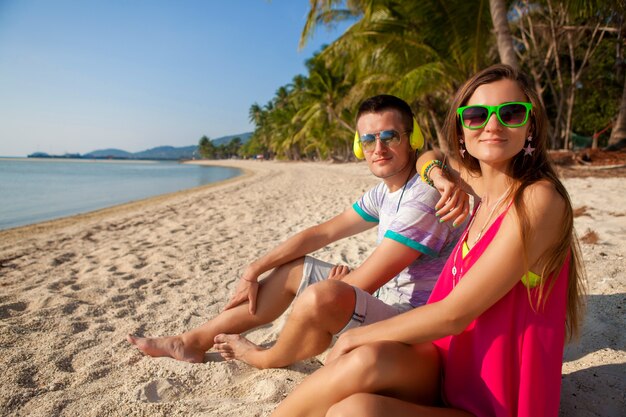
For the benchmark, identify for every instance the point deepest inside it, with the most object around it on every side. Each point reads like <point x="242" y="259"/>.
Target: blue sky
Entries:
<point x="81" y="75"/>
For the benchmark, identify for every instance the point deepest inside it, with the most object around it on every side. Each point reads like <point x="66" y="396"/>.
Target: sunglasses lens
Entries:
<point x="368" y="141"/>
<point x="474" y="117"/>
<point x="513" y="114"/>
<point x="389" y="137"/>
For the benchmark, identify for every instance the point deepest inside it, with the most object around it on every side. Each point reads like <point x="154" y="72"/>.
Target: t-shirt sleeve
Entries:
<point x="368" y="206"/>
<point x="415" y="224"/>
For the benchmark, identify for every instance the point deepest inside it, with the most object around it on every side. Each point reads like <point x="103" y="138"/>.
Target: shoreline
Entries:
<point x="73" y="288"/>
<point x="85" y="160"/>
<point x="116" y="208"/>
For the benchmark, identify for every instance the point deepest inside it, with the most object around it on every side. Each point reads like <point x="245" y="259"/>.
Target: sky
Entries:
<point x="82" y="75"/>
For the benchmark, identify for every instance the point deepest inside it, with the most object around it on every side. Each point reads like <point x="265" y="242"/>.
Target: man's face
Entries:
<point x="384" y="161"/>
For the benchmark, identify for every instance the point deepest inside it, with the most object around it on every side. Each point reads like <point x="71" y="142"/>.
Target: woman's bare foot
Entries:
<point x="235" y="346"/>
<point x="171" y="347"/>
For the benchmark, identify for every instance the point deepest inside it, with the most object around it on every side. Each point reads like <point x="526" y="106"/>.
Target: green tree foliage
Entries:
<point x="558" y="44"/>
<point x="423" y="50"/>
<point x="206" y="148"/>
<point x="598" y="99"/>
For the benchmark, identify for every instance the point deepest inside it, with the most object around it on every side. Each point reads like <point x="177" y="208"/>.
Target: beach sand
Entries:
<point x="72" y="289"/>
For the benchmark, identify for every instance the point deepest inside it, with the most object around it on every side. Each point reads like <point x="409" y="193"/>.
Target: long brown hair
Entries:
<point x="525" y="171"/>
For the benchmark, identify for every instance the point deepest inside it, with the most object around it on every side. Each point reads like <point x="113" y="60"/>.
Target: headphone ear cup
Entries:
<point x="417" y="139"/>
<point x="356" y="146"/>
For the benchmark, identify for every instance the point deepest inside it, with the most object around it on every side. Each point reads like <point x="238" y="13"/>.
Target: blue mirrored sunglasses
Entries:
<point x="386" y="137"/>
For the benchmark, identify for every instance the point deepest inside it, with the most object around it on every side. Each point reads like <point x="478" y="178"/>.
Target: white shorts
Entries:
<point x="368" y="309"/>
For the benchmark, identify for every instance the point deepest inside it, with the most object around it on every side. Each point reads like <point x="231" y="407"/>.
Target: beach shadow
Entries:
<point x="306" y="367"/>
<point x="603" y="327"/>
<point x="593" y="392"/>
<point x="213" y="357"/>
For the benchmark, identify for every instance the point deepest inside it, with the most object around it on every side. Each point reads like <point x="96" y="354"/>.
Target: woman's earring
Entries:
<point x="528" y="150"/>
<point x="461" y="148"/>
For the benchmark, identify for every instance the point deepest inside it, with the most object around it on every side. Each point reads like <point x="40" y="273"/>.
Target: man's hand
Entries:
<point x="247" y="289"/>
<point x="338" y="272"/>
<point x="454" y="202"/>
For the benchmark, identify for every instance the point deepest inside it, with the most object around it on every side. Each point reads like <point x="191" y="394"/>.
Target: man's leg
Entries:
<point x="319" y="313"/>
<point x="276" y="292"/>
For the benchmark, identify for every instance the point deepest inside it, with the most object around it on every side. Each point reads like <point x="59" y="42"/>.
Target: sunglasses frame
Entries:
<point x="495" y="109"/>
<point x="367" y="145"/>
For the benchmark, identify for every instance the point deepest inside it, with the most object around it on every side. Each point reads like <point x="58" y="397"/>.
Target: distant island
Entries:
<point x="160" y="153"/>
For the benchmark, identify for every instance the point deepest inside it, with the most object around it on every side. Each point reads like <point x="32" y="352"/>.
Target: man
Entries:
<point x="413" y="245"/>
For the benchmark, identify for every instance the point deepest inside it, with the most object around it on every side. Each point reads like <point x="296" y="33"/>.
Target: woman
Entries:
<point x="488" y="343"/>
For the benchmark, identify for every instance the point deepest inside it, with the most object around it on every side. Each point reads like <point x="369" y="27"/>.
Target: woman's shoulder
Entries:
<point x="543" y="201"/>
<point x="542" y="191"/>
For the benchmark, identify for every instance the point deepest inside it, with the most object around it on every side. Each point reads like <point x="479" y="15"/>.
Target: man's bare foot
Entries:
<point x="171" y="347"/>
<point x="235" y="346"/>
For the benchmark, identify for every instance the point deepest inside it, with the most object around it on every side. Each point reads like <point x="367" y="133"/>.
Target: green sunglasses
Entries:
<point x="512" y="114"/>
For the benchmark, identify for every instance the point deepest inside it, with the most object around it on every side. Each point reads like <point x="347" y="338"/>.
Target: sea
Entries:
<point x="36" y="190"/>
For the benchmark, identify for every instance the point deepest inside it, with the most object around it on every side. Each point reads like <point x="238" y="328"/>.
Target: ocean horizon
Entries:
<point x="35" y="190"/>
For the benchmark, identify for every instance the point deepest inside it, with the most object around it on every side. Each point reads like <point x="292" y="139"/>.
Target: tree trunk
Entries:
<point x="443" y="145"/>
<point x="619" y="127"/>
<point x="567" y="140"/>
<point x="506" y="49"/>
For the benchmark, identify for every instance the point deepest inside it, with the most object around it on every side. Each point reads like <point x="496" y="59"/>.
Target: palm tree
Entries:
<point x="319" y="110"/>
<point x="506" y="49"/>
<point x="277" y="129"/>
<point x="400" y="47"/>
<point x="206" y="149"/>
<point x="324" y="11"/>
<point x="260" y="138"/>
<point x="618" y="134"/>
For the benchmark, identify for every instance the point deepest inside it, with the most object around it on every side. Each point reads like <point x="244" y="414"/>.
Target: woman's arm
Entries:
<point x="492" y="276"/>
<point x="454" y="189"/>
<point x="455" y="172"/>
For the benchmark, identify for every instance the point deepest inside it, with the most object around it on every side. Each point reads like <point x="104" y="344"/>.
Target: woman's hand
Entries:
<point x="346" y="342"/>
<point x="454" y="202"/>
<point x="247" y="289"/>
<point x="338" y="272"/>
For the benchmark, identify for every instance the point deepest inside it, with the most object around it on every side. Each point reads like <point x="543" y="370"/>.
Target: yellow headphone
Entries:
<point x="416" y="141"/>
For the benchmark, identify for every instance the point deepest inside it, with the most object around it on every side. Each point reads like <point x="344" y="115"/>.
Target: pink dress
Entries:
<point x="507" y="362"/>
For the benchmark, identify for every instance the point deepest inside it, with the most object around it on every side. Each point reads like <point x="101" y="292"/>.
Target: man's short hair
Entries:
<point x="382" y="102"/>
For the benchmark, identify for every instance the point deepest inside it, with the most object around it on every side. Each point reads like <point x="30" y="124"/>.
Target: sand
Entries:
<point x="72" y="289"/>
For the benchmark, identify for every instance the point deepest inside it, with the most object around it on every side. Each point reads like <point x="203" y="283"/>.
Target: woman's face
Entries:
<point x="495" y="144"/>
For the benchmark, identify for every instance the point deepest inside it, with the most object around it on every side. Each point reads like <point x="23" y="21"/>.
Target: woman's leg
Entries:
<point x="409" y="373"/>
<point x="375" y="405"/>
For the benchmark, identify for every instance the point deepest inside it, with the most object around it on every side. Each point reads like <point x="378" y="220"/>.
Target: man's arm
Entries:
<point x="411" y="231"/>
<point x="387" y="261"/>
<point x="309" y="240"/>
